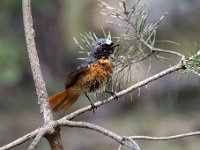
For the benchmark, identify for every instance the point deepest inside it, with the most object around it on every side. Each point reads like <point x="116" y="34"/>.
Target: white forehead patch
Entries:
<point x="108" y="41"/>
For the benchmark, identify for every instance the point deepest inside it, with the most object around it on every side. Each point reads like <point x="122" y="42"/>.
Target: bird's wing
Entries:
<point x="75" y="75"/>
<point x="79" y="72"/>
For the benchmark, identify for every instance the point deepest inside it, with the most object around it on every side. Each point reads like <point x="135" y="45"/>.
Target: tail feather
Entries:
<point x="69" y="103"/>
<point x="63" y="100"/>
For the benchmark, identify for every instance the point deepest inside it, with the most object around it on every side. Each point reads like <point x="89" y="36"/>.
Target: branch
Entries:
<point x="123" y="141"/>
<point x="165" y="138"/>
<point x="38" y="137"/>
<point x="180" y="66"/>
<point x="99" y="103"/>
<point x="127" y="90"/>
<point x="161" y="50"/>
<point x="20" y="140"/>
<point x="34" y="62"/>
<point x="38" y="80"/>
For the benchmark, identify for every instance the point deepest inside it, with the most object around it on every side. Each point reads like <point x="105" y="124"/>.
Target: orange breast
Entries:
<point x="98" y="74"/>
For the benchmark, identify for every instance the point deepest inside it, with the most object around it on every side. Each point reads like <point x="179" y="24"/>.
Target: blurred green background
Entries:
<point x="169" y="106"/>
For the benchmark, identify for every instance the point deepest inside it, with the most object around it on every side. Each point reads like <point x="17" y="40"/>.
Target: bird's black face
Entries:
<point x="102" y="48"/>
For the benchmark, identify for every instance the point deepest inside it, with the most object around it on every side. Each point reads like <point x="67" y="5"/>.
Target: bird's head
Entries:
<point x="103" y="48"/>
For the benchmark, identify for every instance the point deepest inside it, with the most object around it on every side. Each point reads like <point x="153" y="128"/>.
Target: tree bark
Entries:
<point x="54" y="138"/>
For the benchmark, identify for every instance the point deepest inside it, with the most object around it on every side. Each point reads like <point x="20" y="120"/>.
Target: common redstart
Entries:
<point x="94" y="73"/>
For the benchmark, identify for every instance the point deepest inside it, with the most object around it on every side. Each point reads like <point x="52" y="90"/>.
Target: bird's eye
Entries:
<point x="103" y="45"/>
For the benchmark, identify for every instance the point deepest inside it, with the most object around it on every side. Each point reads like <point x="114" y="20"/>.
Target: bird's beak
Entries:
<point x="115" y="45"/>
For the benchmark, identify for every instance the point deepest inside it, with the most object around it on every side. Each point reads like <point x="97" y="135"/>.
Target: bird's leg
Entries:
<point x="112" y="93"/>
<point x="92" y="105"/>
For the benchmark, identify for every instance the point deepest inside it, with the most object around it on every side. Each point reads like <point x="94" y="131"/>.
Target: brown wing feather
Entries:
<point x="74" y="76"/>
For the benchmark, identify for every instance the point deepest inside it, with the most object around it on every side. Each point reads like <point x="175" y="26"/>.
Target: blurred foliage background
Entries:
<point x="169" y="106"/>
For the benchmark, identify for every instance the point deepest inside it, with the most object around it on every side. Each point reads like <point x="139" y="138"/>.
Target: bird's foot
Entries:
<point x="113" y="94"/>
<point x="93" y="107"/>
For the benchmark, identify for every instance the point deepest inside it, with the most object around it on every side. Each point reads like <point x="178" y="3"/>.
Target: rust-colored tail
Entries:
<point x="63" y="100"/>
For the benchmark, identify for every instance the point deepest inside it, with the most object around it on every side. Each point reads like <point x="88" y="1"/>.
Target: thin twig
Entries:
<point x="162" y="50"/>
<point x="165" y="138"/>
<point x="136" y="61"/>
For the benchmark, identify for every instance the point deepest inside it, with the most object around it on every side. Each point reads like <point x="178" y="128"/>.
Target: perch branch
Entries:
<point x="179" y="66"/>
<point x="127" y="90"/>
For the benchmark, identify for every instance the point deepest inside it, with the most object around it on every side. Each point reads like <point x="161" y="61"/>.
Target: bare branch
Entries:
<point x="20" y="140"/>
<point x="127" y="90"/>
<point x="34" y="61"/>
<point x="41" y="133"/>
<point x="123" y="141"/>
<point x="91" y="126"/>
<point x="97" y="128"/>
<point x="39" y="82"/>
<point x="165" y="138"/>
<point x="47" y="131"/>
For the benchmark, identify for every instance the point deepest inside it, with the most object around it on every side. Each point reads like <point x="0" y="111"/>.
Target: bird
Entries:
<point x="90" y="76"/>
